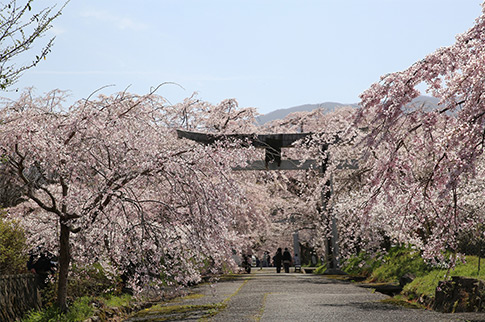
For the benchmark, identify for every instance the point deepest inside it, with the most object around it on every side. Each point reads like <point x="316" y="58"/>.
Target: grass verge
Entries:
<point x="422" y="289"/>
<point x="80" y="310"/>
<point x="388" y="268"/>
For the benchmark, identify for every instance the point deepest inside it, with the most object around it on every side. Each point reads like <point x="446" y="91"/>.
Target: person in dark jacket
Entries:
<point x="42" y="263"/>
<point x="286" y="260"/>
<point x="246" y="263"/>
<point x="277" y="258"/>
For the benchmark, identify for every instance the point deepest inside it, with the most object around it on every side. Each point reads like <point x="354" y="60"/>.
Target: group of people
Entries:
<point x="280" y="259"/>
<point x="285" y="259"/>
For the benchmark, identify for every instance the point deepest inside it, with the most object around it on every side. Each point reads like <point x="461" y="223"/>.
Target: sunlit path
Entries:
<point x="265" y="295"/>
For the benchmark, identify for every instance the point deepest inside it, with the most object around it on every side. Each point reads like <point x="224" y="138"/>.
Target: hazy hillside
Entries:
<point x="281" y="113"/>
<point x="430" y="102"/>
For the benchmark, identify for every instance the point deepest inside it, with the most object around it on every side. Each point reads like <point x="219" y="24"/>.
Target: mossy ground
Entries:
<point x="388" y="268"/>
<point x="400" y="300"/>
<point x="423" y="287"/>
<point x="176" y="312"/>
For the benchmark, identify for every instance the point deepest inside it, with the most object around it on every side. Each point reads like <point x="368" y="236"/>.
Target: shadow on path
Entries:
<point x="265" y="295"/>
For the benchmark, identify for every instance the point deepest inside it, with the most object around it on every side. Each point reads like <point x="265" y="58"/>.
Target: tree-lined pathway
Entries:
<point x="267" y="296"/>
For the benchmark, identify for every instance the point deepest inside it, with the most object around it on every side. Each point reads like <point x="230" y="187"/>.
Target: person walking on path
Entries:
<point x="277" y="258"/>
<point x="246" y="263"/>
<point x="286" y="260"/>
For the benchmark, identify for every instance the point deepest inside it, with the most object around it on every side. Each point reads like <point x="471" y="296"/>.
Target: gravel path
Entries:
<point x="267" y="296"/>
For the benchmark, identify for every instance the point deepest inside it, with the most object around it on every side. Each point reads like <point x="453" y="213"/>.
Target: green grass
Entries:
<point x="116" y="301"/>
<point x="398" y="262"/>
<point x="362" y="264"/>
<point x="191" y="296"/>
<point x="320" y="270"/>
<point x="387" y="268"/>
<point x="400" y="300"/>
<point x="80" y="310"/>
<point x="426" y="285"/>
<point x="404" y="260"/>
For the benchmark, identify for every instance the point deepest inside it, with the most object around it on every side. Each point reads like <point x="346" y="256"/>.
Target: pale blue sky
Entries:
<point x="266" y="54"/>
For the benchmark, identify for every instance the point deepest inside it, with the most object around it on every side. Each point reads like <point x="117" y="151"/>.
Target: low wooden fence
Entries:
<point x="18" y="295"/>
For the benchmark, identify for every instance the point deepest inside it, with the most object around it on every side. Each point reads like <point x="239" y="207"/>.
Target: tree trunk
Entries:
<point x="479" y="258"/>
<point x="64" y="260"/>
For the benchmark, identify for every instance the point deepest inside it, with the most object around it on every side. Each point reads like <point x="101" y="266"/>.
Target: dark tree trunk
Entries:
<point x="64" y="260"/>
<point x="480" y="251"/>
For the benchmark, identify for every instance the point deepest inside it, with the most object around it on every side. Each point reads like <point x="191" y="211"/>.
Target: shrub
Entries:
<point x="117" y="301"/>
<point x="80" y="310"/>
<point x="13" y="248"/>
<point x="387" y="267"/>
<point x="92" y="281"/>
<point x="362" y="264"/>
<point x="472" y="242"/>
<point x="399" y="261"/>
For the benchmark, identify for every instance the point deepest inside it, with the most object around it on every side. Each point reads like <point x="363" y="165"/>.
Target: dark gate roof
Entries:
<point x="283" y="140"/>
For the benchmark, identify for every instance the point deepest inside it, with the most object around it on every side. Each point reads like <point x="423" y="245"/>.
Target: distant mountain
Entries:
<point x="428" y="101"/>
<point x="282" y="113"/>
